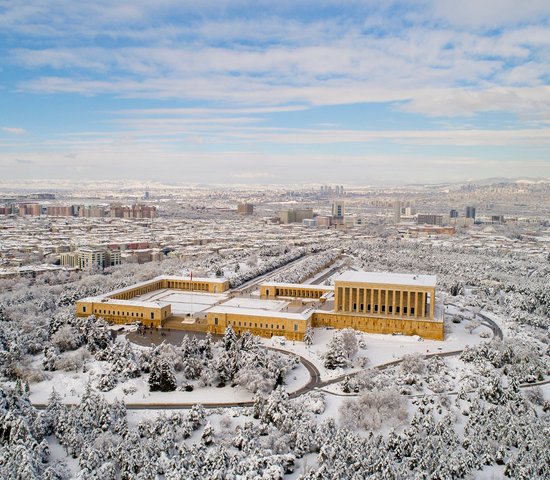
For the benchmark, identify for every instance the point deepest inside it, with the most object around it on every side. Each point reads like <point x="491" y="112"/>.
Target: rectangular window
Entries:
<point x="295" y="327"/>
<point x="84" y="309"/>
<point x="383" y="308"/>
<point x="152" y="315"/>
<point x="412" y="310"/>
<point x="215" y="320"/>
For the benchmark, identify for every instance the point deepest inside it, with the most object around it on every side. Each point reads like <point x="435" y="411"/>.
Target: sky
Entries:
<point x="274" y="92"/>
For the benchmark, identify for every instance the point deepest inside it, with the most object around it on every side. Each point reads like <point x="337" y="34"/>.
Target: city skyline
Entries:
<point x="241" y="92"/>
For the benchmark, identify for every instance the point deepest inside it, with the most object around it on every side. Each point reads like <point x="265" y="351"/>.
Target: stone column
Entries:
<point x="423" y="305"/>
<point x="369" y="300"/>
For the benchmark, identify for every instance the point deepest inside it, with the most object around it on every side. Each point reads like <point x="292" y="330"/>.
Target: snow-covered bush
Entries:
<point x="373" y="409"/>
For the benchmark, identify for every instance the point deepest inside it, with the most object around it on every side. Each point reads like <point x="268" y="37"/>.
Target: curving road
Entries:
<point x="315" y="381"/>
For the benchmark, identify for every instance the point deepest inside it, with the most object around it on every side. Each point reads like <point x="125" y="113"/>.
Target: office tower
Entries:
<point x="397" y="211"/>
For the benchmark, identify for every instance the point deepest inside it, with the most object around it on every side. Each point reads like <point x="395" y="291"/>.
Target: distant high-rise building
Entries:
<point x="146" y="196"/>
<point x="135" y="211"/>
<point x="295" y="215"/>
<point x="470" y="212"/>
<point x="69" y="259"/>
<point x="245" y="209"/>
<point x="429" y="219"/>
<point x="397" y="211"/>
<point x="453" y="213"/>
<point x="32" y="209"/>
<point x="90" y="258"/>
<point x="91" y="211"/>
<point x="338" y="209"/>
<point x="60" y="211"/>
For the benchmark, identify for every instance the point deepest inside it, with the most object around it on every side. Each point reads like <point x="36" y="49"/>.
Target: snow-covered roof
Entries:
<point x="256" y="312"/>
<point x="195" y="279"/>
<point x="113" y="301"/>
<point x="297" y="285"/>
<point x="388" y="278"/>
<point x="165" y="277"/>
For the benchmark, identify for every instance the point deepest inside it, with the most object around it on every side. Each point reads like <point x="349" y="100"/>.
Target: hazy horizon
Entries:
<point x="288" y="93"/>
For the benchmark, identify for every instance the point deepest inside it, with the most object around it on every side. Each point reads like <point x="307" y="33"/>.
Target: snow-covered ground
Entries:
<point x="136" y="391"/>
<point x="183" y="303"/>
<point x="381" y="349"/>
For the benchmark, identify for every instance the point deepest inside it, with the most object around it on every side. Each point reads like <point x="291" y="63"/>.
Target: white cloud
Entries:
<point x="14" y="130"/>
<point x="458" y="102"/>
<point x="491" y="13"/>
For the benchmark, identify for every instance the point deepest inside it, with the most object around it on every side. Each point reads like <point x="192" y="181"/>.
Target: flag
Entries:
<point x="191" y="275"/>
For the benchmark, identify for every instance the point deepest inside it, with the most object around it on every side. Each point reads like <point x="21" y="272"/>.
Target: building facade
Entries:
<point x="295" y="215"/>
<point x="370" y="302"/>
<point x="245" y="209"/>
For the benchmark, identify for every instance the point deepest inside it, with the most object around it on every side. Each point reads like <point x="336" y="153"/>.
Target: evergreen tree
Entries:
<point x="154" y="375"/>
<point x="167" y="377"/>
<point x="207" y="434"/>
<point x="308" y="336"/>
<point x="230" y="339"/>
<point x="336" y="356"/>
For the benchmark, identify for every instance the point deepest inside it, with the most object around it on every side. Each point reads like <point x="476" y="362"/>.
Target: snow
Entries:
<point x="261" y="313"/>
<point x="182" y="303"/>
<point x="388" y="278"/>
<point x="71" y="386"/>
<point x="57" y="454"/>
<point x="255" y="303"/>
<point x="298" y="285"/>
<point x="381" y="349"/>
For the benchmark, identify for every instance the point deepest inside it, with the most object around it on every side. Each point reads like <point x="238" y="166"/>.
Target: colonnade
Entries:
<point x="385" y="301"/>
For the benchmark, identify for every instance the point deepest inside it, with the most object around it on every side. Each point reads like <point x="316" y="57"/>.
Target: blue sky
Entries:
<point x="353" y="92"/>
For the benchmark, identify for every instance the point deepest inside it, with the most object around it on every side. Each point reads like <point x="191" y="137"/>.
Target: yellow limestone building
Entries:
<point x="387" y="303"/>
<point x="121" y="306"/>
<point x="391" y="303"/>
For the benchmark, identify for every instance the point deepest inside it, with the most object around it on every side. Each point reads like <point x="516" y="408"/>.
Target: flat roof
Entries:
<point x="163" y="277"/>
<point x="187" y="278"/>
<point x="297" y="285"/>
<point x="388" y="278"/>
<point x="256" y="312"/>
<point x="113" y="301"/>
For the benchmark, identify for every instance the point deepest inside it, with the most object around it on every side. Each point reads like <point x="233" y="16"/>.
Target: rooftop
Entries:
<point x="388" y="278"/>
<point x="257" y="312"/>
